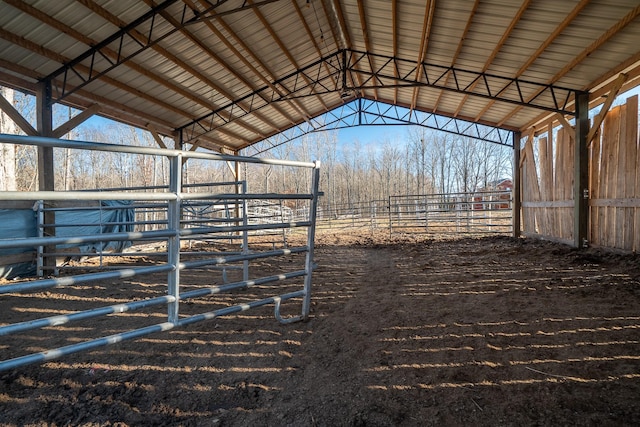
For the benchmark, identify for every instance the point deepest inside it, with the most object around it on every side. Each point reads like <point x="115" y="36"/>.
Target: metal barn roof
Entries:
<point x="230" y="73"/>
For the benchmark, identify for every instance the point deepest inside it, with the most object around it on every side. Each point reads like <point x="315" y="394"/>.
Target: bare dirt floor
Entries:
<point x="403" y="332"/>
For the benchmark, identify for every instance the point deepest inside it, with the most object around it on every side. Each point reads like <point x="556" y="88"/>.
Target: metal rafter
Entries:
<point x="511" y="90"/>
<point x="365" y="36"/>
<point x="369" y="112"/>
<point x="90" y="42"/>
<point x="424" y="45"/>
<point x="301" y="83"/>
<point x="122" y="37"/>
<point x="208" y="51"/>
<point x="165" y="53"/>
<point x="606" y="36"/>
<point x="242" y="57"/>
<point x="209" y="13"/>
<point x="29" y="45"/>
<point x="498" y="47"/>
<point x="84" y="100"/>
<point x="552" y="36"/>
<point x="480" y="84"/>
<point x="284" y="50"/>
<point x="458" y="49"/>
<point x="151" y="26"/>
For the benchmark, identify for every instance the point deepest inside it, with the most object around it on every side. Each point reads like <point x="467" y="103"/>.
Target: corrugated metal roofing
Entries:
<point x="233" y="76"/>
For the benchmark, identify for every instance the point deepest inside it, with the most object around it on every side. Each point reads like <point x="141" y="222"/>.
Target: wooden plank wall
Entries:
<point x="547" y="198"/>
<point x="530" y="188"/>
<point x="614" y="182"/>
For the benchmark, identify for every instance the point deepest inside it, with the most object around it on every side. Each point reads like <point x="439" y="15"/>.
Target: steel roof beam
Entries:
<point x="313" y="79"/>
<point x="513" y="90"/>
<point x="113" y="54"/>
<point x="307" y="81"/>
<point x="596" y="44"/>
<point x="543" y="46"/>
<point x="498" y="47"/>
<point x="365" y="112"/>
<point x="150" y="25"/>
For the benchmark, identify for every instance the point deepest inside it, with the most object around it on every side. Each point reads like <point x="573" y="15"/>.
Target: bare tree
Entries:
<point x="7" y="151"/>
<point x="466" y="164"/>
<point x="418" y="146"/>
<point x="439" y="161"/>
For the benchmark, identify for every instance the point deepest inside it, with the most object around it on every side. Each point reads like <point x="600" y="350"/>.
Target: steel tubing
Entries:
<point x="106" y="237"/>
<point x="83" y="278"/>
<point x="137" y="333"/>
<point x="42" y="141"/>
<point x="240" y="257"/>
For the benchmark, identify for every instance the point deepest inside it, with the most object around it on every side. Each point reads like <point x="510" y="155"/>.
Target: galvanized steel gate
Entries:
<point x="171" y="233"/>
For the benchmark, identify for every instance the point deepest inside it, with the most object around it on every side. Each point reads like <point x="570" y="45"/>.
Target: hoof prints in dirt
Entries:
<point x="492" y="331"/>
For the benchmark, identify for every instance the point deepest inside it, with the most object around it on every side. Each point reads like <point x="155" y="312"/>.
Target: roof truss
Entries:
<point x="145" y="32"/>
<point x="341" y="72"/>
<point x="513" y="90"/>
<point x="225" y="74"/>
<point x="367" y="112"/>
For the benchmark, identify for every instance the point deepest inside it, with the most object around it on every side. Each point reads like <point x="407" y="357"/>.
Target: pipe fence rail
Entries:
<point x="470" y="213"/>
<point x="373" y="214"/>
<point x="477" y="213"/>
<point x="192" y="225"/>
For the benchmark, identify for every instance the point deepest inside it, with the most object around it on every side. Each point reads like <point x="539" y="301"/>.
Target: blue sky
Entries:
<point x="368" y="135"/>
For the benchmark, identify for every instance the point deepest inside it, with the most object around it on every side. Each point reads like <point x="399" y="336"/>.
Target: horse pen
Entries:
<point x="319" y="213"/>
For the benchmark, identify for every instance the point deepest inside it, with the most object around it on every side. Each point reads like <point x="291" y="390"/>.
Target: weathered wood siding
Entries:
<point x="614" y="184"/>
<point x="615" y="180"/>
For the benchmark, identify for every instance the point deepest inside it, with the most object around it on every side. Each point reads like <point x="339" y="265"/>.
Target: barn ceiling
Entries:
<point x="226" y="74"/>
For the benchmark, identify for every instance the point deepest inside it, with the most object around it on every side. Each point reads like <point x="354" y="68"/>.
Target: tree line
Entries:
<point x="423" y="161"/>
<point x="352" y="174"/>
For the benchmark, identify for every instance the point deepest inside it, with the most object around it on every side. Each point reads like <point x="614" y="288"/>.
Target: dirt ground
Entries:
<point x="403" y="332"/>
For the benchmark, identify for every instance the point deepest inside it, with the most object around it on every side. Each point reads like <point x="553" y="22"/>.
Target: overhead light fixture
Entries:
<point x="346" y="93"/>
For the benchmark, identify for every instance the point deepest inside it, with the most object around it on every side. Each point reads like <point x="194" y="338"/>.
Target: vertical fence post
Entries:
<point x="517" y="186"/>
<point x="581" y="172"/>
<point x="40" y="249"/>
<point x="46" y="174"/>
<point x="173" y="243"/>
<point x="308" y="265"/>
<point x="245" y="232"/>
<point x="390" y="218"/>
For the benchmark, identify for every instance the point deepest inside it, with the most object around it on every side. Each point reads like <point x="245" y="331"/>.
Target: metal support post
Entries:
<point x="390" y="218"/>
<point x="517" y="185"/>
<point x="245" y="232"/>
<point x="173" y="242"/>
<point x="46" y="175"/>
<point x="311" y="231"/>
<point x="581" y="172"/>
<point x="40" y="248"/>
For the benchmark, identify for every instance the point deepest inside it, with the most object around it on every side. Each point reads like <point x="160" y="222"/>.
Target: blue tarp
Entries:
<point x="18" y="224"/>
